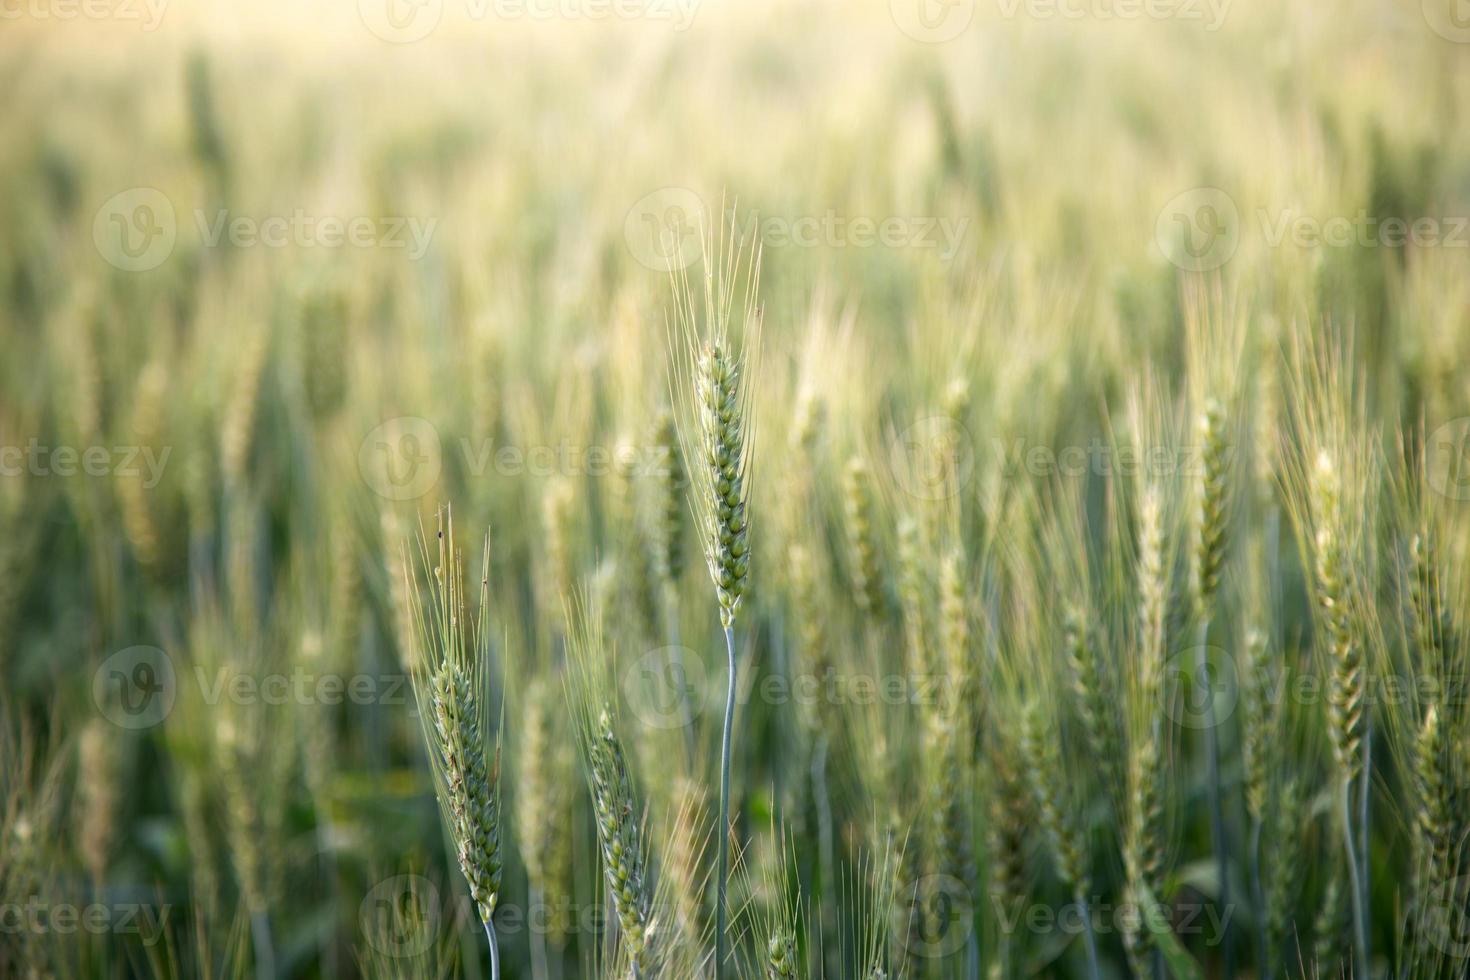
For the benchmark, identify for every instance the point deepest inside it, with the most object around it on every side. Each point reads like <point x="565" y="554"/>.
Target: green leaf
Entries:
<point x="1181" y="965"/>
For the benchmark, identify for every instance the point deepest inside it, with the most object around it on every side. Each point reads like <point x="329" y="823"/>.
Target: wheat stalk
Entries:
<point x="449" y="670"/>
<point x="670" y="506"/>
<point x="1346" y="708"/>
<point x="618" y="832"/>
<point x="1046" y="777"/>
<point x="1210" y="528"/>
<point x="1005" y="831"/>
<point x="542" y="809"/>
<point x="864" y="564"/>
<point x="616" y="812"/>
<point x="99" y="777"/>
<point x="710" y="380"/>
<point x="1280" y="886"/>
<point x="1327" y="925"/>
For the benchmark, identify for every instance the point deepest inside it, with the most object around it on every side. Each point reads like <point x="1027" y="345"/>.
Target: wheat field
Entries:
<point x="671" y="489"/>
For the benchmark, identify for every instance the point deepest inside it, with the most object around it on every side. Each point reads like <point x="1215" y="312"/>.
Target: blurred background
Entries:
<point x="279" y="279"/>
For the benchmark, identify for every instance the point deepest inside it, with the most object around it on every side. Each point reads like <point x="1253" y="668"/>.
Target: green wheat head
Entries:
<point x="450" y="673"/>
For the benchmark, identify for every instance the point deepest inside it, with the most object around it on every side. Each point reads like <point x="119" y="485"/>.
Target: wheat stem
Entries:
<point x="676" y="658"/>
<point x="1360" y="932"/>
<point x="1217" y="807"/>
<point x="494" y="950"/>
<point x="265" y="955"/>
<point x="538" y="938"/>
<point x="823" y="803"/>
<point x="1089" y="937"/>
<point x="721" y="911"/>
<point x="1363" y="854"/>
<point x="1258" y="898"/>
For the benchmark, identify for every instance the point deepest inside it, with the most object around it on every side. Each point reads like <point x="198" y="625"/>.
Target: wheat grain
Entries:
<point x="862" y="544"/>
<point x="1281" y="884"/>
<point x="449" y="669"/>
<point x="1346" y="705"/>
<point x="99" y="775"/>
<point x="670" y="506"/>
<point x="721" y="400"/>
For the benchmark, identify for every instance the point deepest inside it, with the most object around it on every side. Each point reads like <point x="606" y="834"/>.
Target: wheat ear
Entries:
<point x="721" y="401"/>
<point x="1005" y="840"/>
<point x="1143" y="835"/>
<point x="1094" y="699"/>
<point x="1046" y="778"/>
<point x="619" y="834"/>
<point x="616" y="812"/>
<point x="1346" y="717"/>
<point x="449" y="673"/>
<point x="542" y="806"/>
<point x="1280" y="886"/>
<point x="781" y="961"/>
<point x="862" y="543"/>
<point x="1211" y="522"/>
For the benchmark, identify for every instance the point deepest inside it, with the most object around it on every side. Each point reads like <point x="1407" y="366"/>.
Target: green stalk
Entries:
<point x="1258" y="896"/>
<point x="539" y="970"/>
<point x="1366" y="908"/>
<point x="823" y="802"/>
<point x="265" y="955"/>
<point x="1360" y="932"/>
<point x="494" y="951"/>
<point x="1217" y="807"/>
<point x="676" y="657"/>
<point x="721" y="912"/>
<point x="1089" y="937"/>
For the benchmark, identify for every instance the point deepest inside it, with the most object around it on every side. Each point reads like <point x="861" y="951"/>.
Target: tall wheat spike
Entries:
<point x="1046" y="777"/>
<point x="616" y="811"/>
<point x="543" y="808"/>
<point x="1210" y="527"/>
<point x="865" y="566"/>
<point x="450" y="670"/>
<point x="1331" y="496"/>
<point x="1346" y="705"/>
<point x="709" y="377"/>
